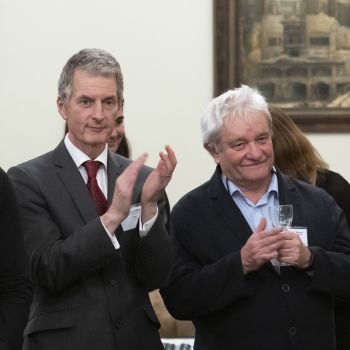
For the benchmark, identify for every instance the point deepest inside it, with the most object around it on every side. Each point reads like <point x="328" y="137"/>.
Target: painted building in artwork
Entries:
<point x="299" y="52"/>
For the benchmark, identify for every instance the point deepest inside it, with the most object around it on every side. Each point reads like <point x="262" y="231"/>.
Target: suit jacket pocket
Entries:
<point x="50" y="321"/>
<point x="151" y="315"/>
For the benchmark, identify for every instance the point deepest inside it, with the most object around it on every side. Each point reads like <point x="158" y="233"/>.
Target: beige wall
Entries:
<point x="165" y="49"/>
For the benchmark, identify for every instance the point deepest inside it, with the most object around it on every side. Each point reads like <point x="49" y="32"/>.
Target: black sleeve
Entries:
<point x="15" y="287"/>
<point x="339" y="188"/>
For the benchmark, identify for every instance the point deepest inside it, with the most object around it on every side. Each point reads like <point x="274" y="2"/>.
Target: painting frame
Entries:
<point x="226" y="73"/>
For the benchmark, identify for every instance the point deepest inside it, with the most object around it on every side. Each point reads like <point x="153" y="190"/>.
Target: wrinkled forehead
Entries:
<point x="85" y="81"/>
<point x="248" y="116"/>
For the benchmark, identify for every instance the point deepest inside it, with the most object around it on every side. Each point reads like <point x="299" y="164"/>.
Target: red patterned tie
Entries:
<point x="95" y="191"/>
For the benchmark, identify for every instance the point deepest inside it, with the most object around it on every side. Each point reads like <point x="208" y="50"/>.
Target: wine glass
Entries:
<point x="281" y="216"/>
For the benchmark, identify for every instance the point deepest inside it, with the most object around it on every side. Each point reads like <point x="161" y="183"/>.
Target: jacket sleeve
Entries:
<point x="200" y="286"/>
<point x="331" y="265"/>
<point x="15" y="287"/>
<point x="56" y="260"/>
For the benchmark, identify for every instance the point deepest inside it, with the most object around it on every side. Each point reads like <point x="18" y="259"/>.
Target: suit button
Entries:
<point x="112" y="282"/>
<point x="292" y="331"/>
<point x="118" y="324"/>
<point x="285" y="287"/>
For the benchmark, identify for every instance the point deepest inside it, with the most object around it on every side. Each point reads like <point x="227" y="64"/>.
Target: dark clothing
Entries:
<point x="339" y="189"/>
<point x="335" y="185"/>
<point x="87" y="294"/>
<point x="15" y="287"/>
<point x="262" y="310"/>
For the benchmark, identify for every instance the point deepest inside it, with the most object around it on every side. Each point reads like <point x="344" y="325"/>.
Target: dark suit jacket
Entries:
<point x="335" y="185"/>
<point x="261" y="310"/>
<point x="15" y="287"/>
<point x="87" y="294"/>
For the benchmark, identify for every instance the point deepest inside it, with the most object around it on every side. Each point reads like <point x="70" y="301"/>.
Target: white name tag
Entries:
<point x="132" y="219"/>
<point x="302" y="232"/>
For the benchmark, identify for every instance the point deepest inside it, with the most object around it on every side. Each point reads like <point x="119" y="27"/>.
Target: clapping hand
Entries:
<point x="156" y="182"/>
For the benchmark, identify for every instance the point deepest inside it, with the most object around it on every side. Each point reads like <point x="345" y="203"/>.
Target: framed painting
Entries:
<point x="296" y="52"/>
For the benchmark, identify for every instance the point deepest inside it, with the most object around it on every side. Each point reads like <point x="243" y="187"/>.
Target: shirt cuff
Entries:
<point x="112" y="237"/>
<point x="146" y="227"/>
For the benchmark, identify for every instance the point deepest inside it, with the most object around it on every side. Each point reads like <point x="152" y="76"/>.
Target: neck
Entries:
<point x="256" y="191"/>
<point x="94" y="152"/>
<point x="254" y="196"/>
<point x="91" y="150"/>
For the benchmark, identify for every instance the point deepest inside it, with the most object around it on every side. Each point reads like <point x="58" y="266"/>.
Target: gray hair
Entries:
<point x="94" y="61"/>
<point x="237" y="103"/>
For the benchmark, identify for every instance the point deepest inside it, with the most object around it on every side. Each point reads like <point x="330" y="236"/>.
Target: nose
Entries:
<point x="114" y="134"/>
<point x="254" y="150"/>
<point x="98" y="112"/>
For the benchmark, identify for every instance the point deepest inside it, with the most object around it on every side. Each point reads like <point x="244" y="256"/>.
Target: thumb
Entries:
<point x="262" y="225"/>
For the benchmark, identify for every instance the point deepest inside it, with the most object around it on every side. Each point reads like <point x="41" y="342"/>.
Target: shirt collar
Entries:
<point x="232" y="188"/>
<point x="80" y="157"/>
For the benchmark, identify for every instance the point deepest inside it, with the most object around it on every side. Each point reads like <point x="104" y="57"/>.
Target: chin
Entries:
<point x="258" y="175"/>
<point x="98" y="138"/>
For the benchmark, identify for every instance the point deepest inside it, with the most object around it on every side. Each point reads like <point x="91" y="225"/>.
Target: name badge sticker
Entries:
<point x="302" y="232"/>
<point x="132" y="219"/>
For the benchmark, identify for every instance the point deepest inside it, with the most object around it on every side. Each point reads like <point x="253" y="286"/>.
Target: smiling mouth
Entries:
<point x="255" y="165"/>
<point x="96" y="128"/>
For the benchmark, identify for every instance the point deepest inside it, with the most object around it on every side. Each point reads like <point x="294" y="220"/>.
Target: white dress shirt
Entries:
<point x="79" y="159"/>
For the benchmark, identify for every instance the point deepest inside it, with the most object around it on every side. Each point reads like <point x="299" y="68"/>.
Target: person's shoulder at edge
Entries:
<point x="331" y="177"/>
<point x="304" y="186"/>
<point x="35" y="168"/>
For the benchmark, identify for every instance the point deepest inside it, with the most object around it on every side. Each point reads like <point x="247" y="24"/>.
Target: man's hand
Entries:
<point x="293" y="251"/>
<point x="156" y="182"/>
<point x="122" y="195"/>
<point x="262" y="246"/>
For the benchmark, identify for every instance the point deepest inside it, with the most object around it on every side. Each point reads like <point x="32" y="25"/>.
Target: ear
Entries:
<point x="61" y="107"/>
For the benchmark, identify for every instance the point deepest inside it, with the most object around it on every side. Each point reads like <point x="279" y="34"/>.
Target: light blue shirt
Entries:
<point x="254" y="212"/>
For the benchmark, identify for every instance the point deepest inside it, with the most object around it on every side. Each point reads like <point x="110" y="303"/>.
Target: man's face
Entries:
<point x="245" y="151"/>
<point x="91" y="111"/>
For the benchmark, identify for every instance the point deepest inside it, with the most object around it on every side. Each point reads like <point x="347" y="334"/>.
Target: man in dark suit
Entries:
<point x="93" y="264"/>
<point x="230" y="275"/>
<point x="15" y="287"/>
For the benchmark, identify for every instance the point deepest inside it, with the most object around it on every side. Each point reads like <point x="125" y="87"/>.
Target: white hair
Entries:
<point x="237" y="103"/>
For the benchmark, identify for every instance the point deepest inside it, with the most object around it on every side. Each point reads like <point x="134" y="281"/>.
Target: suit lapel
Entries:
<point x="114" y="169"/>
<point x="287" y="195"/>
<point x="70" y="176"/>
<point x="227" y="209"/>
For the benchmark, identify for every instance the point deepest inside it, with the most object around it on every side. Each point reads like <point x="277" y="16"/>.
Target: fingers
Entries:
<point x="262" y="225"/>
<point x="140" y="160"/>
<point x="171" y="155"/>
<point x="133" y="168"/>
<point x="126" y="181"/>
<point x="168" y="162"/>
<point x="262" y="246"/>
<point x="292" y="250"/>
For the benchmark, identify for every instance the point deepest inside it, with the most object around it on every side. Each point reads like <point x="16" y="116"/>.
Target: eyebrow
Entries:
<point x="113" y="97"/>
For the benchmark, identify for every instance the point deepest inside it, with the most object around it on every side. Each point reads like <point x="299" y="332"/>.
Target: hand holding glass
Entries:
<point x="281" y="216"/>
